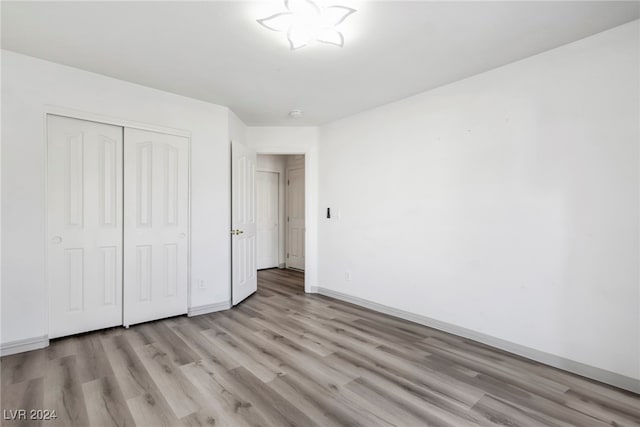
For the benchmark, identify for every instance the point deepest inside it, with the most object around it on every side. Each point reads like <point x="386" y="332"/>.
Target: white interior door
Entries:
<point x="244" y="278"/>
<point x="156" y="219"/>
<point x="84" y="225"/>
<point x="268" y="218"/>
<point x="295" y="218"/>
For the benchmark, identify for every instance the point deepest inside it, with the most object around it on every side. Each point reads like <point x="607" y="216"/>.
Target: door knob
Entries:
<point x="182" y="235"/>
<point x="56" y="240"/>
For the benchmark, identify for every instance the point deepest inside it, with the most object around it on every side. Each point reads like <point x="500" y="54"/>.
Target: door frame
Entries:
<point x="56" y="110"/>
<point x="310" y="205"/>
<point x="279" y="198"/>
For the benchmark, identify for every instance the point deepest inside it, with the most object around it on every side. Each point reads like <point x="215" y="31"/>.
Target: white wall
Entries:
<point x="237" y="130"/>
<point x="277" y="163"/>
<point x="506" y="203"/>
<point x="296" y="140"/>
<point x="28" y="85"/>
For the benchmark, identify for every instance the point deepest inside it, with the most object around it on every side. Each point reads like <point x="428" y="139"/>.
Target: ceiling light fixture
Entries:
<point x="306" y="22"/>
<point x="295" y="114"/>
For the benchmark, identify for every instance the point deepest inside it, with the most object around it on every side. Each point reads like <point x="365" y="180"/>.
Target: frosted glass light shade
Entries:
<point x="305" y="22"/>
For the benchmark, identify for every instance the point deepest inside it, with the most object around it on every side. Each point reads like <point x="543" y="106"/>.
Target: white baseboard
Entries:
<point x="35" y="343"/>
<point x="209" y="308"/>
<point x="20" y="346"/>
<point x="598" y="374"/>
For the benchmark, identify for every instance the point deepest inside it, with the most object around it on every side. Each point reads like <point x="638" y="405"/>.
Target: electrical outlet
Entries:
<point x="347" y="276"/>
<point x="201" y="284"/>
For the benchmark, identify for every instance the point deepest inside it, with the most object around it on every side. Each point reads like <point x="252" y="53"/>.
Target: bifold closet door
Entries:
<point x="156" y="218"/>
<point x="84" y="225"/>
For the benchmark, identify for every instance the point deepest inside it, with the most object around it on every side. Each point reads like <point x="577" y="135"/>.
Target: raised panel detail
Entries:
<point x="251" y="183"/>
<point x="109" y="273"/>
<point x="242" y="188"/>
<point x="74" y="278"/>
<point x="297" y="195"/>
<point x="170" y="185"/>
<point x="74" y="181"/>
<point x="143" y="186"/>
<point x="297" y="242"/>
<point x="251" y="256"/>
<point x="107" y="165"/>
<point x="171" y="268"/>
<point x="143" y="270"/>
<point x="242" y="260"/>
<point x="293" y="242"/>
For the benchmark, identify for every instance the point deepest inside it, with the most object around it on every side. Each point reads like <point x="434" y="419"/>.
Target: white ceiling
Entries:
<point x="216" y="52"/>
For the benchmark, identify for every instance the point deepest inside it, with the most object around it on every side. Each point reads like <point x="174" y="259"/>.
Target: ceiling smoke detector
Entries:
<point x="295" y="114"/>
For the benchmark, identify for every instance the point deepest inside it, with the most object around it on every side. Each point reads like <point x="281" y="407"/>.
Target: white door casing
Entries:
<point x="244" y="280"/>
<point x="84" y="225"/>
<point x="295" y="219"/>
<point x="268" y="218"/>
<point x="156" y="225"/>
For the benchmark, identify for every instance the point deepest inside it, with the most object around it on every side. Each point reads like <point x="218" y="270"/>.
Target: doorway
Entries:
<point x="268" y="224"/>
<point x="280" y="210"/>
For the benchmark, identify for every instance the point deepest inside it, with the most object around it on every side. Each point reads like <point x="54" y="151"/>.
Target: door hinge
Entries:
<point x="287" y="219"/>
<point x="288" y="182"/>
<point x="287" y="254"/>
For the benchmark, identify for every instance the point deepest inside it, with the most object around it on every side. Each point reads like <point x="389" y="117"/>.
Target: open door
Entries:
<point x="244" y="279"/>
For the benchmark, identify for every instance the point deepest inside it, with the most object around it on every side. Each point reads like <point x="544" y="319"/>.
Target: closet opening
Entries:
<point x="117" y="224"/>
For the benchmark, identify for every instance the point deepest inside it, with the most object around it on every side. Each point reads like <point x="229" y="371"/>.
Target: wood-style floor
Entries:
<point x="283" y="358"/>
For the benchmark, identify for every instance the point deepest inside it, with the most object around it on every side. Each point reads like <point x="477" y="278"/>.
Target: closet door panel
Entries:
<point x="156" y="225"/>
<point x="84" y="225"/>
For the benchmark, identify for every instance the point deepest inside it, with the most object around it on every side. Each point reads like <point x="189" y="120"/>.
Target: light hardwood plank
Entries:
<point x="283" y="357"/>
